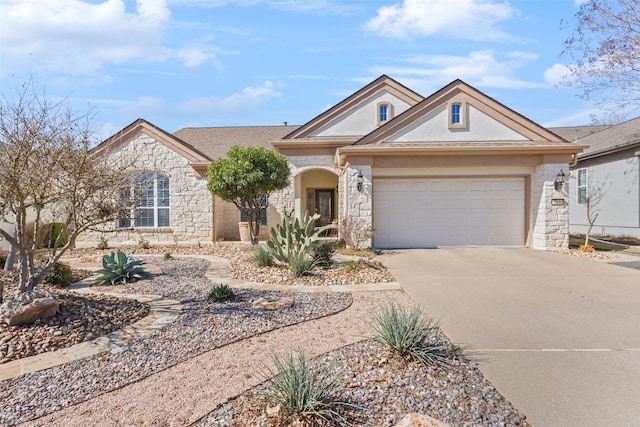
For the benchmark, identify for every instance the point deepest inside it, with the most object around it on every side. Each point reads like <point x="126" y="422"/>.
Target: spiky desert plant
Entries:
<point x="290" y="239"/>
<point x="408" y="333"/>
<point x="118" y="267"/>
<point x="221" y="293"/>
<point x="263" y="256"/>
<point x="304" y="393"/>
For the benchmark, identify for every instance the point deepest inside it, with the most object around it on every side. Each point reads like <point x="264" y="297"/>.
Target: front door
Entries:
<point x="323" y="205"/>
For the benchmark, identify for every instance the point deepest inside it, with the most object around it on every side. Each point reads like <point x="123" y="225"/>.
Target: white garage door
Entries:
<point x="430" y="212"/>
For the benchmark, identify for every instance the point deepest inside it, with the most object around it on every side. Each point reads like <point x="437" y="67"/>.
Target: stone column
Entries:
<point x="550" y="208"/>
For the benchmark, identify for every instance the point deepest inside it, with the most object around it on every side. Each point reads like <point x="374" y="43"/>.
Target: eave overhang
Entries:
<point x="469" y="149"/>
<point x="608" y="150"/>
<point x="334" y="142"/>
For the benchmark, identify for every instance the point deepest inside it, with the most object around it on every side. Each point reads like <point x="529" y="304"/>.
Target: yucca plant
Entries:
<point x="120" y="268"/>
<point x="304" y="393"/>
<point x="408" y="333"/>
<point x="301" y="264"/>
<point x="263" y="256"/>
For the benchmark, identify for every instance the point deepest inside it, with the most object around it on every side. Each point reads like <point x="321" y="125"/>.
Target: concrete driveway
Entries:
<point x="559" y="336"/>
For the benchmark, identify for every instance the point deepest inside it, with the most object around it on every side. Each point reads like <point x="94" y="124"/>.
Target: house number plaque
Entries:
<point x="557" y="202"/>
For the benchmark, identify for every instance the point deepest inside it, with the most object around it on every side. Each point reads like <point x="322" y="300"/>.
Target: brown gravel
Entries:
<point x="80" y="318"/>
<point x="349" y="271"/>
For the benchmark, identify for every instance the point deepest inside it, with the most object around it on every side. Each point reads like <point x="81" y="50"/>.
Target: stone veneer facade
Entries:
<point x="198" y="217"/>
<point x="550" y="208"/>
<point x="190" y="202"/>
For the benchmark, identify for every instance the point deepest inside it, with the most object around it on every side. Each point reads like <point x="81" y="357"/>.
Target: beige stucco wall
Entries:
<point x="363" y="119"/>
<point x="189" y="199"/>
<point x="480" y="128"/>
<point x="227" y="217"/>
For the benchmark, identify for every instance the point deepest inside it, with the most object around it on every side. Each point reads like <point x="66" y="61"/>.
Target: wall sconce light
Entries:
<point x="359" y="181"/>
<point x="559" y="182"/>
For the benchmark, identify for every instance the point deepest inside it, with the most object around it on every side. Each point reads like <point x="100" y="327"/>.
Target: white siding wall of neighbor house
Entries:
<point x="619" y="208"/>
<point x="190" y="201"/>
<point x="550" y="209"/>
<point x="363" y="119"/>
<point x="480" y="128"/>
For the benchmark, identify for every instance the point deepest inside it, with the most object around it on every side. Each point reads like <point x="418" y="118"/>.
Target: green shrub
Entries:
<point x="322" y="252"/>
<point x="303" y="392"/>
<point x="301" y="264"/>
<point x="168" y="256"/>
<point x="143" y="243"/>
<point x="408" y="333"/>
<point x="120" y="268"/>
<point x="60" y="274"/>
<point x="103" y="243"/>
<point x="221" y="293"/>
<point x="262" y="255"/>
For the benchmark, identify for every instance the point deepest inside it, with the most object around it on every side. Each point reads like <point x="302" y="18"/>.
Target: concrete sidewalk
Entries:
<point x="559" y="336"/>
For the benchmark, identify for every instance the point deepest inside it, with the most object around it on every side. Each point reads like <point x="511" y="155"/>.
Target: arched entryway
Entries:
<point x="317" y="192"/>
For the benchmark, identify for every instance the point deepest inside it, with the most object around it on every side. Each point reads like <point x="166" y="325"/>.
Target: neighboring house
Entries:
<point x="610" y="165"/>
<point x="454" y="169"/>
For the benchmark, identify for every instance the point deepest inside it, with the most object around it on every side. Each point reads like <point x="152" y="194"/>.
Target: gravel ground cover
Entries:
<point x="201" y="327"/>
<point x="241" y="265"/>
<point x="80" y="318"/>
<point x="381" y="389"/>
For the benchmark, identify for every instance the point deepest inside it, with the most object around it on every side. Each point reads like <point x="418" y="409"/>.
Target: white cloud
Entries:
<point x="556" y="74"/>
<point x="479" y="68"/>
<point x="79" y="38"/>
<point x="245" y="101"/>
<point x="462" y="19"/>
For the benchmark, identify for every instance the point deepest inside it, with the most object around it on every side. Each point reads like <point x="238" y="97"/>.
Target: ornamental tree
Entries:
<point x="246" y="178"/>
<point x="605" y="48"/>
<point x="50" y="175"/>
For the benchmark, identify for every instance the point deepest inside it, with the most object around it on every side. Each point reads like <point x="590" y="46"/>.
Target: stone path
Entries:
<point x="162" y="312"/>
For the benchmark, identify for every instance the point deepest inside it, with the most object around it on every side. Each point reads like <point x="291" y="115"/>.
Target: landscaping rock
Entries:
<point x="272" y="303"/>
<point x="28" y="308"/>
<point x="420" y="420"/>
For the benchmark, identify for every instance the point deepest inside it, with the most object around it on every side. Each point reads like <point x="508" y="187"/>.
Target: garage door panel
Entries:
<point x="449" y="212"/>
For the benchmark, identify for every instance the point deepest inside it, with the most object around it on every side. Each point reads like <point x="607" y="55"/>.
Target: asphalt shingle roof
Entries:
<point x="215" y="142"/>
<point x="612" y="138"/>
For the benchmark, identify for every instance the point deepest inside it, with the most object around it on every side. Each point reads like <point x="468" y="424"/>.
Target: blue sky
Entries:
<point x="179" y="63"/>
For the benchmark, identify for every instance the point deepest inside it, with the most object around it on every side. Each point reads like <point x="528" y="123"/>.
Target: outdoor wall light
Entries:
<point x="359" y="181"/>
<point x="559" y="182"/>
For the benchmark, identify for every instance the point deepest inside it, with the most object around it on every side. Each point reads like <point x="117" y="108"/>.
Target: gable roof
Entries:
<point x="495" y="109"/>
<point x="612" y="139"/>
<point x="215" y="142"/>
<point x="382" y="83"/>
<point x="142" y="126"/>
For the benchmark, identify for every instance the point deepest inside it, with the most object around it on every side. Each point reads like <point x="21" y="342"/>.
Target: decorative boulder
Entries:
<point x="29" y="307"/>
<point x="272" y="303"/>
<point x="420" y="420"/>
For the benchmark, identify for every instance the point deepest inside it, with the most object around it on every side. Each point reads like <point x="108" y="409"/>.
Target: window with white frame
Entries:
<point x="582" y="185"/>
<point x="384" y="113"/>
<point x="456" y="114"/>
<point x="150" y="207"/>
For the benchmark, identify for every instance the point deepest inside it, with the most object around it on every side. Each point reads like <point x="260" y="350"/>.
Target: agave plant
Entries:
<point x="120" y="268"/>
